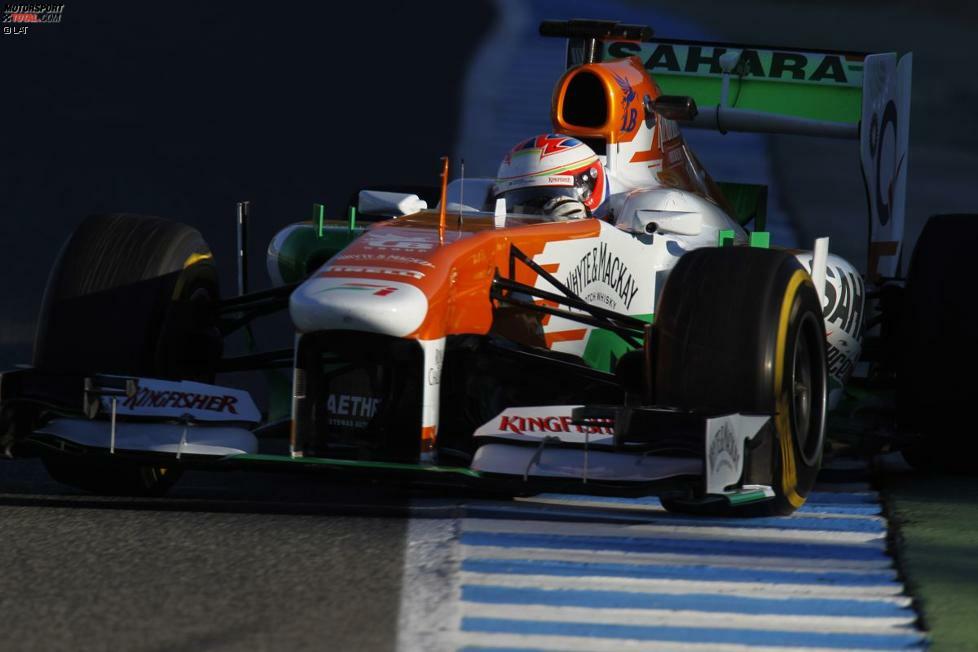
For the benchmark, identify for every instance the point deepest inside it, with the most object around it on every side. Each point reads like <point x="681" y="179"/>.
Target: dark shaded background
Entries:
<point x="181" y="110"/>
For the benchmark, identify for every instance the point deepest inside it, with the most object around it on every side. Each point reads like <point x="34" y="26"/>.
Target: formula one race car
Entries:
<point x="659" y="348"/>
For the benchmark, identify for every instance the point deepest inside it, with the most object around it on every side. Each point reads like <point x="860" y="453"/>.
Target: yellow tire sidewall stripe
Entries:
<point x="782" y="419"/>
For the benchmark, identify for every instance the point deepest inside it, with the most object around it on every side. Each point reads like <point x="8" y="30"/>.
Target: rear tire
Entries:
<point x="128" y="295"/>
<point x="936" y="357"/>
<point x="741" y="330"/>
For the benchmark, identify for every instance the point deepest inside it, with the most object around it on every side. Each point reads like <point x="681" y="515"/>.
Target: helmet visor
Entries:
<point x="530" y="199"/>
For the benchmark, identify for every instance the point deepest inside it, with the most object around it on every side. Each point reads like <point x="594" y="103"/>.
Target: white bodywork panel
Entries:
<point x="883" y="152"/>
<point x="726" y="437"/>
<point x="843" y="305"/>
<point x="433" y="354"/>
<point x="370" y="305"/>
<point x="389" y="203"/>
<point x="548" y="426"/>
<point x="554" y="462"/>
<point x="183" y="439"/>
<point x="634" y="209"/>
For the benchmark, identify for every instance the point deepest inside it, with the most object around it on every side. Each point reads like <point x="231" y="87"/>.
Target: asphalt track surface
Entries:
<point x="235" y="562"/>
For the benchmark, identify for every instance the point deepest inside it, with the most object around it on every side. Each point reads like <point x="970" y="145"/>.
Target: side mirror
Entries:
<point x="675" y="107"/>
<point x="677" y="222"/>
<point x="379" y="202"/>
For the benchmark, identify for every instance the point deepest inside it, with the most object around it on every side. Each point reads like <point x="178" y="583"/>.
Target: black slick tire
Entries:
<point x="740" y="330"/>
<point x="936" y="356"/>
<point x="128" y="295"/>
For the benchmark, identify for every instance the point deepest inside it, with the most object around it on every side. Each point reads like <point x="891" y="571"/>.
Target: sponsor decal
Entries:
<point x="385" y="240"/>
<point x="840" y="363"/>
<point x="769" y="65"/>
<point x="147" y="397"/>
<point x="844" y="304"/>
<point x="602" y="266"/>
<point x="168" y="399"/>
<point x="363" y="269"/>
<point x="373" y="288"/>
<point x="724" y="451"/>
<point x="880" y="132"/>
<point x="351" y="410"/>
<point x="393" y="258"/>
<point x="629" y="116"/>
<point x="352" y="405"/>
<point x="521" y="425"/>
<point x="565" y="180"/>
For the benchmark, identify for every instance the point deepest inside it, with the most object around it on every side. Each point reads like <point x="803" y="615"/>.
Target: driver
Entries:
<point x="553" y="175"/>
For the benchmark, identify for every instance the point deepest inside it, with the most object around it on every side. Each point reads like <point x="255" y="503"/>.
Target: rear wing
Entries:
<point x="768" y="89"/>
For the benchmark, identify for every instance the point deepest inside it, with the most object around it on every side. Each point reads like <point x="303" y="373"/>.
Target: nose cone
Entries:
<point x="374" y="306"/>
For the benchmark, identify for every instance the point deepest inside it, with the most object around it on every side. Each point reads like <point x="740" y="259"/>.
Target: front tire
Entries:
<point x="741" y="330"/>
<point x="128" y="295"/>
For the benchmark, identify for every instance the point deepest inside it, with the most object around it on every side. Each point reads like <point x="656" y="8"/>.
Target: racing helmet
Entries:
<point x="552" y="174"/>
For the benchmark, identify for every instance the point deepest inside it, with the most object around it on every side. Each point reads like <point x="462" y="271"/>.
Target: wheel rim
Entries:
<point x="807" y="389"/>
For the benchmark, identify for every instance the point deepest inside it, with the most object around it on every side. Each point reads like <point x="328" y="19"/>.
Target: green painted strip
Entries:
<point x="760" y="239"/>
<point x="725" y="237"/>
<point x="319" y="211"/>
<point x="746" y="497"/>
<point x="748" y="201"/>
<point x="356" y="464"/>
<point x="604" y="348"/>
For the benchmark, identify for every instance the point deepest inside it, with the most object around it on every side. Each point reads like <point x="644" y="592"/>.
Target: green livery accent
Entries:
<point x="355" y="464"/>
<point x="746" y="497"/>
<point x="604" y="348"/>
<point x="749" y="202"/>
<point x="318" y="211"/>
<point x="310" y="245"/>
<point x="725" y="237"/>
<point x="814" y="85"/>
<point x="760" y="239"/>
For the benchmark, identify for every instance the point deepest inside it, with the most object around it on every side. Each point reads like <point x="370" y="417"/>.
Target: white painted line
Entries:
<point x="589" y="644"/>
<point x="430" y="591"/>
<point x="672" y="587"/>
<point x="660" y="617"/>
<point x="733" y="561"/>
<point x="654" y="530"/>
<point x="657" y="511"/>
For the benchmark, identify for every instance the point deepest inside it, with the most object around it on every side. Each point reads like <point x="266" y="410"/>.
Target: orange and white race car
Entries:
<point x="596" y="318"/>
